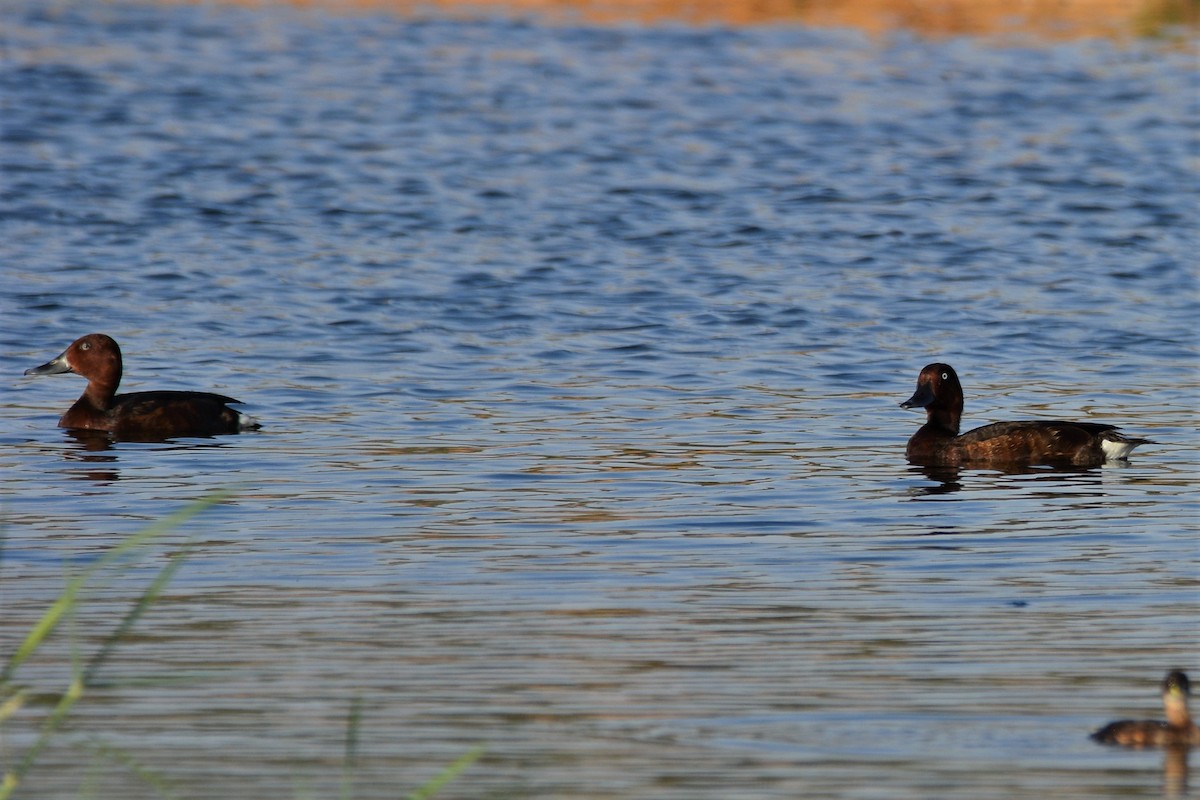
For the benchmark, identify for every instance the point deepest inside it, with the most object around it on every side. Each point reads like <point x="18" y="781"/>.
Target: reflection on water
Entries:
<point x="577" y="350"/>
<point x="1175" y="771"/>
<point x="1056" y="479"/>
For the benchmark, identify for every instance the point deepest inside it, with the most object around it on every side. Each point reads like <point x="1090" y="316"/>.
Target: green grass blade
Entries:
<point x="70" y="596"/>
<point x="148" y="776"/>
<point x="84" y="675"/>
<point x="448" y="774"/>
<point x="62" y="608"/>
<point x="13" y="777"/>
<point x="350" y="761"/>
<point x="135" y="612"/>
<point x="11" y="704"/>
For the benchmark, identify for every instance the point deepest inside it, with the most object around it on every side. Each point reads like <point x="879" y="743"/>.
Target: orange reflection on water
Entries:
<point x="1047" y="18"/>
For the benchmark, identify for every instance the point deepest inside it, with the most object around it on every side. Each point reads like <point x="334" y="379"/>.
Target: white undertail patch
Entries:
<point x="1116" y="447"/>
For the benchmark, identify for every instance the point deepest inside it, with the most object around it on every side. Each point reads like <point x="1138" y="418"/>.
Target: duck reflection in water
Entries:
<point x="99" y="453"/>
<point x="947" y="479"/>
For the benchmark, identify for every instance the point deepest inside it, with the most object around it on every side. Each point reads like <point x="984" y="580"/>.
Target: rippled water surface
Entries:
<point x="578" y="354"/>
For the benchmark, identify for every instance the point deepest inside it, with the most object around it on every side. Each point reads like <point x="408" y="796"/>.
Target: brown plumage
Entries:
<point x="137" y="415"/>
<point x="1051" y="442"/>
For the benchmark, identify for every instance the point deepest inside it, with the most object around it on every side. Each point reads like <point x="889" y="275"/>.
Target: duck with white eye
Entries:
<point x="1041" y="442"/>
<point x="143" y="416"/>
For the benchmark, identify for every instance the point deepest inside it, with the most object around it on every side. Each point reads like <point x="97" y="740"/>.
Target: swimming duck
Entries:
<point x="938" y="442"/>
<point x="1178" y="730"/>
<point x="137" y="415"/>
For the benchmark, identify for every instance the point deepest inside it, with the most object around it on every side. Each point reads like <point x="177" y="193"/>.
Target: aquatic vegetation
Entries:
<point x="13" y="695"/>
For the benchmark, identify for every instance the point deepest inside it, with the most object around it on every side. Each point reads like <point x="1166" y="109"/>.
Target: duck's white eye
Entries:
<point x="85" y="346"/>
<point x="945" y="376"/>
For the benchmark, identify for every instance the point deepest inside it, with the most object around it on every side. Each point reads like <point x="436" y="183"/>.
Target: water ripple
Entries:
<point x="578" y="352"/>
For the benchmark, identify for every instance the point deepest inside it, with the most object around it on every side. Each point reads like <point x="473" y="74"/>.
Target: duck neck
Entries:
<point x="99" y="393"/>
<point x="946" y="419"/>
<point x="1178" y="715"/>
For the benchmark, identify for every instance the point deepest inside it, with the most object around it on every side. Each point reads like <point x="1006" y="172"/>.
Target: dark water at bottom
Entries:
<point x="578" y="353"/>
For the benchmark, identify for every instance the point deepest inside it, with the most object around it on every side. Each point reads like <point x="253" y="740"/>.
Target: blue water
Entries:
<point x="578" y="353"/>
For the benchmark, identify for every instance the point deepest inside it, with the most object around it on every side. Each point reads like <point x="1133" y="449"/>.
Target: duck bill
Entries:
<point x="921" y="398"/>
<point x="56" y="367"/>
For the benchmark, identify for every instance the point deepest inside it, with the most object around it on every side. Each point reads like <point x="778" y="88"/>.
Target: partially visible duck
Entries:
<point x="137" y="415"/>
<point x="1084" y="444"/>
<point x="1177" y="731"/>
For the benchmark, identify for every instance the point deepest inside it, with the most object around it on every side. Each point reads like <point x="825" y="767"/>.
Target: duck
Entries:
<point x="1034" y="442"/>
<point x="1177" y="731"/>
<point x="138" y="416"/>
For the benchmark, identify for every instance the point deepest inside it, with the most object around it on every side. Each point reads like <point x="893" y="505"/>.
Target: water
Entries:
<point x="578" y="352"/>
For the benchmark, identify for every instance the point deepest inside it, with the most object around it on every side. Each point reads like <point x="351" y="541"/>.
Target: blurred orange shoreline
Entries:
<point x="1057" y="19"/>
